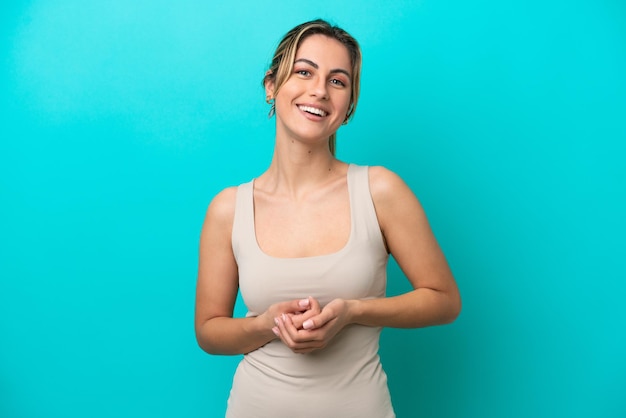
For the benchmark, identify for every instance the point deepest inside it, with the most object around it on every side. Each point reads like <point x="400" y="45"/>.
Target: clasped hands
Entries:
<point x="303" y="326"/>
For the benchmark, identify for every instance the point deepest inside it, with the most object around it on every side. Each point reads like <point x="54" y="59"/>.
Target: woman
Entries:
<point x="307" y="242"/>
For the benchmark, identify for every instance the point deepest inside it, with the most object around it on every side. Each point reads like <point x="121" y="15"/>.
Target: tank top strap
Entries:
<point x="365" y="221"/>
<point x="243" y="222"/>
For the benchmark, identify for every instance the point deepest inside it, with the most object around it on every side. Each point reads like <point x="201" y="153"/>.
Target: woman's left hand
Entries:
<point x="316" y="332"/>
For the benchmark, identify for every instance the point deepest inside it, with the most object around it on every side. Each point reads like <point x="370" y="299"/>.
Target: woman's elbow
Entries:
<point x="203" y="339"/>
<point x="454" y="308"/>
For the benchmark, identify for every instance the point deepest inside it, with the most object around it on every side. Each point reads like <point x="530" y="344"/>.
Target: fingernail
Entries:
<point x="284" y="317"/>
<point x="276" y="331"/>
<point x="308" y="324"/>
<point x="276" y="321"/>
<point x="303" y="303"/>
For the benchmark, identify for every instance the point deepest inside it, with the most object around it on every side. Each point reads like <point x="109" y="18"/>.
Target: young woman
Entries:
<point x="307" y="242"/>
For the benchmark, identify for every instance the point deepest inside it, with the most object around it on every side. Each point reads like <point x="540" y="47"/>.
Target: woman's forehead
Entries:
<point x="323" y="50"/>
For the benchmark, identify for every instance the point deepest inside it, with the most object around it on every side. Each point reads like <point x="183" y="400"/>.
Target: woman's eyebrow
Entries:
<point x="314" y="65"/>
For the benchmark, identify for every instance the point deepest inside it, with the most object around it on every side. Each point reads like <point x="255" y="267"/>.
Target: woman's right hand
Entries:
<point x="299" y="310"/>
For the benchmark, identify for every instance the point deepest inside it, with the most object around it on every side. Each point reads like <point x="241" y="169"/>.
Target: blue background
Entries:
<point x="119" y="120"/>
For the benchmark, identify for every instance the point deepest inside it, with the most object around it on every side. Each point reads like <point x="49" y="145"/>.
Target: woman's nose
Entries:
<point x="319" y="88"/>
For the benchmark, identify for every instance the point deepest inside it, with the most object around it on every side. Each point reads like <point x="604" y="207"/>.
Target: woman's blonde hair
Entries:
<point x="282" y="64"/>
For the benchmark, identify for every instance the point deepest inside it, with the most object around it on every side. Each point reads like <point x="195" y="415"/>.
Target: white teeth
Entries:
<point x="313" y="110"/>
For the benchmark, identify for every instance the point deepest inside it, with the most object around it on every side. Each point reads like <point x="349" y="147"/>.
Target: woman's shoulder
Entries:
<point x="222" y="206"/>
<point x="385" y="183"/>
<point x="389" y="191"/>
<point x="396" y="204"/>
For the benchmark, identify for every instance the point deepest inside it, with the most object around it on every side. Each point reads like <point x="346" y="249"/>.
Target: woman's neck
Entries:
<point x="297" y="169"/>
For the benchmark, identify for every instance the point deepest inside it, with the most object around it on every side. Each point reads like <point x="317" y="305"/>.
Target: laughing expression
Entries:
<point x="313" y="102"/>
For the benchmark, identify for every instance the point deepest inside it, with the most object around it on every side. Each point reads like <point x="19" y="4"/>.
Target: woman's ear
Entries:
<point x="269" y="84"/>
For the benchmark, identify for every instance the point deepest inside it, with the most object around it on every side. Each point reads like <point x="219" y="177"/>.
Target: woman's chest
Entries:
<point x="302" y="229"/>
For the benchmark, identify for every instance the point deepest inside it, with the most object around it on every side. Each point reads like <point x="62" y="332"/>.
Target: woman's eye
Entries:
<point x="337" y="82"/>
<point x="303" y="72"/>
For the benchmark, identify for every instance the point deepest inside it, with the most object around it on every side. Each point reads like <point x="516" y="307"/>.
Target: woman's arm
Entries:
<point x="435" y="297"/>
<point x="217" y="331"/>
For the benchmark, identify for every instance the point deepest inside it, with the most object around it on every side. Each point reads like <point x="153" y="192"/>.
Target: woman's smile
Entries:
<point x="318" y="90"/>
<point x="312" y="110"/>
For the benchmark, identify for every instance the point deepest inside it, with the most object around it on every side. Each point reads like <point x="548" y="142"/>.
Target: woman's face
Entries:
<point x="314" y="101"/>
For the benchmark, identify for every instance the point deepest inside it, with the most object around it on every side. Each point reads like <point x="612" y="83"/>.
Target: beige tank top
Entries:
<point x="345" y="379"/>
